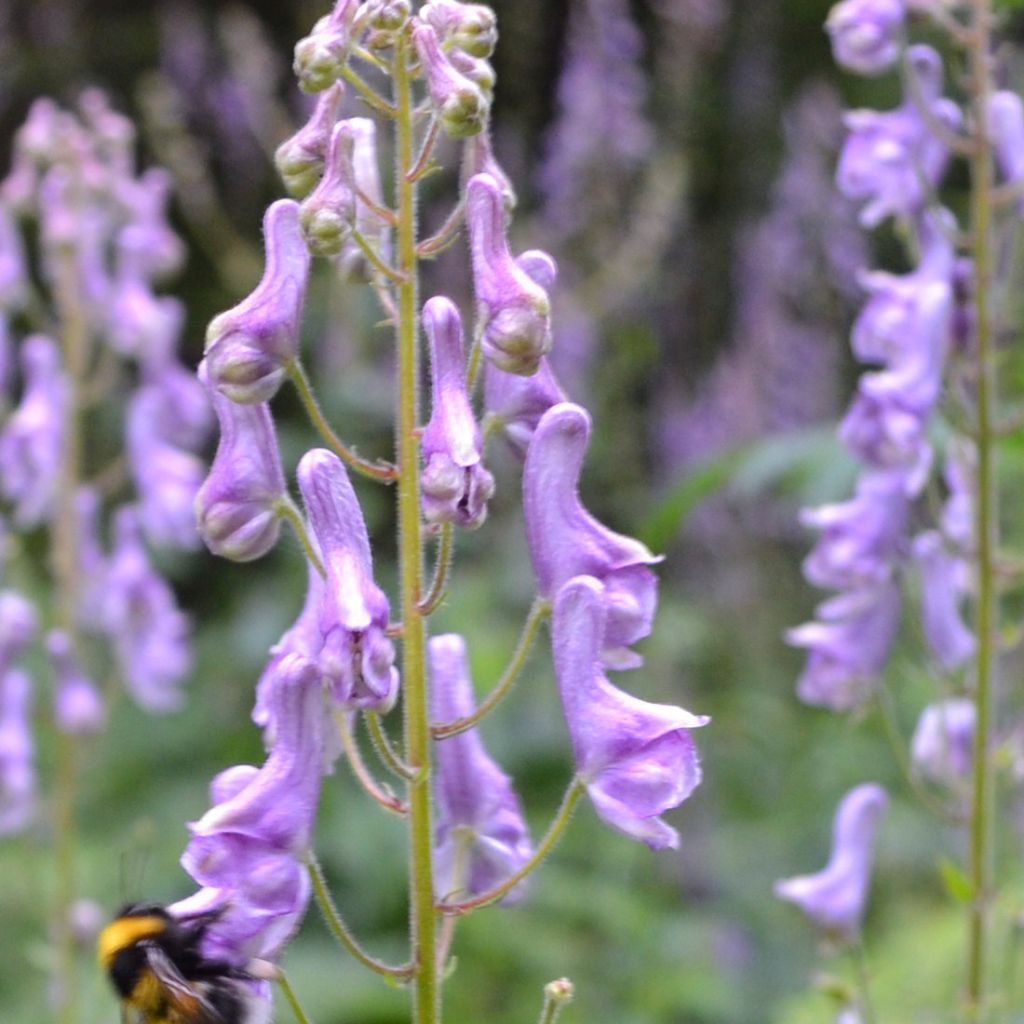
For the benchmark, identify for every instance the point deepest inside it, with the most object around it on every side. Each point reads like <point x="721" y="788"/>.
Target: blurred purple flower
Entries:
<point x="92" y="560"/>
<point x="944" y="581"/>
<point x="834" y="899"/>
<point x="481" y="836"/>
<point x="18" y="783"/>
<point x="637" y="760"/>
<point x="1006" y="129"/>
<point x="14" y="279"/>
<point x="942" y="749"/>
<point x="78" y="705"/>
<point x="19" y="623"/>
<point x="566" y="541"/>
<point x="866" y="34"/>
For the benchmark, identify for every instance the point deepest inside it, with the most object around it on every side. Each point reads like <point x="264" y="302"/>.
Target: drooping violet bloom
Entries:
<point x="891" y="161"/>
<point x="834" y="899"/>
<point x="167" y="478"/>
<point x="320" y="57"/>
<point x="456" y="487"/>
<point x="1006" y="130"/>
<point x="460" y="104"/>
<point x="247" y="852"/>
<point x="366" y="171"/>
<point x="78" y="705"/>
<point x="328" y="213"/>
<point x="18" y="784"/>
<point x="150" y="634"/>
<point x="847" y="646"/>
<point x="942" y="749"/>
<point x="944" y="580"/>
<point x="19" y="624"/>
<point x="300" y="159"/>
<point x="481" y="835"/>
<point x="92" y="560"/>
<point x="566" y="540"/>
<point x="32" y="439"/>
<point x="357" y="657"/>
<point x="515" y="310"/>
<point x="236" y="508"/>
<point x="866" y="34"/>
<point x="249" y="346"/>
<point x="637" y="760"/>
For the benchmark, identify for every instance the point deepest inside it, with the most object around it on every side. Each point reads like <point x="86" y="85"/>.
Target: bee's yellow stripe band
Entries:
<point x="125" y="932"/>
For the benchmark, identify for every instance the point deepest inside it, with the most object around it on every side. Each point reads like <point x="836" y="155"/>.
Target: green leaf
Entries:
<point x="955" y="881"/>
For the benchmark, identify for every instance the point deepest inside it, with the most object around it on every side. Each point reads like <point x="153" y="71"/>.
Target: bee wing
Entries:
<point x="188" y="1003"/>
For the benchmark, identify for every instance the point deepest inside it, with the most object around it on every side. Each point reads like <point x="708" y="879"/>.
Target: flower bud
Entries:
<point x="321" y="56"/>
<point x="328" y="214"/>
<point x="477" y="70"/>
<point x="249" y="346"/>
<point x="515" y="310"/>
<point x="866" y="34"/>
<point x="300" y="159"/>
<point x="459" y="102"/>
<point x="471" y="28"/>
<point x="387" y="15"/>
<point x="78" y="706"/>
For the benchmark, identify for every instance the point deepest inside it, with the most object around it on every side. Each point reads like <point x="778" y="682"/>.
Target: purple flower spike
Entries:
<point x="246" y="851"/>
<point x="480" y="822"/>
<point x="19" y="624"/>
<point x="78" y="707"/>
<point x="866" y="34"/>
<point x="516" y="311"/>
<point x="357" y="656"/>
<point x="236" y="508"/>
<point x="942" y="749"/>
<point x="17" y="753"/>
<point x="150" y="633"/>
<point x="834" y="899"/>
<point x="32" y="439"/>
<point x="944" y="580"/>
<point x="636" y="759"/>
<point x="456" y="487"/>
<point x="328" y="214"/>
<point x="300" y="159"/>
<point x="566" y="540"/>
<point x="890" y="160"/>
<point x="1006" y="128"/>
<point x="249" y="346"/>
<point x="460" y="104"/>
<point x="847" y="646"/>
<point x="320" y="57"/>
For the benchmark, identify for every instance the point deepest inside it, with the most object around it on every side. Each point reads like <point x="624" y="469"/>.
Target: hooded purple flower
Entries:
<point x="944" y="580"/>
<point x="460" y="104"/>
<point x="247" y="851"/>
<point x="32" y="439"/>
<point x="566" y="540"/>
<point x="249" y="346"/>
<point x="942" y="749"/>
<point x="78" y="706"/>
<point x="848" y="646"/>
<point x="891" y="160"/>
<point x="866" y="34"/>
<point x="481" y="834"/>
<point x="321" y="56"/>
<point x="300" y="159"/>
<point x="357" y="657"/>
<point x="237" y="506"/>
<point x="456" y="487"/>
<point x="637" y="760"/>
<point x="17" y="752"/>
<point x="834" y="899"/>
<point x="1006" y="128"/>
<point x="149" y="632"/>
<point x="515" y="310"/>
<point x="328" y="213"/>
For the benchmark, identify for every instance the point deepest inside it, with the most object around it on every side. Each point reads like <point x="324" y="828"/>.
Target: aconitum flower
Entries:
<point x="834" y="899"/>
<point x="566" y="540"/>
<point x="469" y="27"/>
<point x="78" y="705"/>
<point x="847" y="646"/>
<point x="942" y="749"/>
<point x="455" y="485"/>
<point x="247" y="851"/>
<point x="480" y="829"/>
<point x="328" y="213"/>
<point x="944" y="580"/>
<point x="149" y="632"/>
<point x="32" y="439"/>
<point x="515" y="310"/>
<point x="300" y="158"/>
<point x="320" y="57"/>
<point x="891" y="161"/>
<point x="637" y="760"/>
<point x="236" y="508"/>
<point x="19" y="624"/>
<point x="357" y="657"/>
<point x="866" y="34"/>
<point x="461" y="105"/>
<point x="249" y="346"/>
<point x="17" y="752"/>
<point x="1006" y="128"/>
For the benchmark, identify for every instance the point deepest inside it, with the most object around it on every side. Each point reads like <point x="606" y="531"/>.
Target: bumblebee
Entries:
<point x="155" y="964"/>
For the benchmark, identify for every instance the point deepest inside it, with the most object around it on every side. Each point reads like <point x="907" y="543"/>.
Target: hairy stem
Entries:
<point x="386" y="799"/>
<point x="442" y="567"/>
<point x="293" y="1000"/>
<point x="288" y="511"/>
<point x="387" y="754"/>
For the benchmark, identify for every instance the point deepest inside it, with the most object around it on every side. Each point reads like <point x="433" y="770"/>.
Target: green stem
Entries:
<point x="373" y="258"/>
<point x="442" y="567"/>
<point x="860" y="962"/>
<point x="547" y="844"/>
<point x="372" y="98"/>
<point x="381" y="471"/>
<point x="340" y="930"/>
<point x="539" y="612"/>
<point x="426" y="995"/>
<point x="980" y="860"/>
<point x="293" y="1000"/>
<point x="386" y="799"/>
<point x="382" y="745"/>
<point x="286" y="510"/>
<point x="557" y="995"/>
